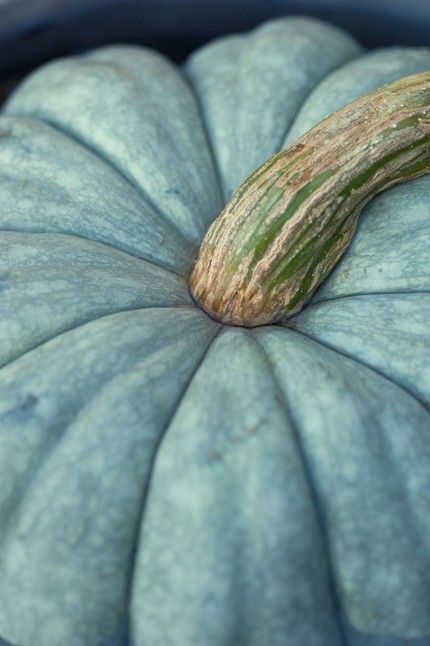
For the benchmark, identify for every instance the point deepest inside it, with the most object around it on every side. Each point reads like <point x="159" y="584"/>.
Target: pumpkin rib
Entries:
<point x="206" y="133"/>
<point x="145" y="493"/>
<point x="125" y="70"/>
<point x="233" y="51"/>
<point x="240" y="38"/>
<point x="365" y="440"/>
<point x="363" y="363"/>
<point x="361" y="295"/>
<point x="132" y="368"/>
<point x="60" y="197"/>
<point x="51" y="443"/>
<point x="394" y="327"/>
<point x="288" y="129"/>
<point x="97" y="318"/>
<point x="114" y="248"/>
<point x="17" y="499"/>
<point x="51" y="283"/>
<point x="309" y="479"/>
<point x="359" y="54"/>
<point x="229" y="468"/>
<point x="138" y="190"/>
<point x="385" y="69"/>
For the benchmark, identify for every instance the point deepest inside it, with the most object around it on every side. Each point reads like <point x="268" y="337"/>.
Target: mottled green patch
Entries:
<point x="272" y="231"/>
<point x="288" y="266"/>
<point x="243" y="188"/>
<point x="419" y="165"/>
<point x="259" y="214"/>
<point x="266" y="201"/>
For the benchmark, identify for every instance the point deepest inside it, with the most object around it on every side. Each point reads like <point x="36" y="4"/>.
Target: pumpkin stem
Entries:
<point x="288" y="224"/>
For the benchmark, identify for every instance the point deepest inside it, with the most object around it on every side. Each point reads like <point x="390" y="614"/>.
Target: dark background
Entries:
<point x="33" y="31"/>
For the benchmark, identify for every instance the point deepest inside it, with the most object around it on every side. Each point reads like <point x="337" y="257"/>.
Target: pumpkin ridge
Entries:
<point x="385" y="446"/>
<point x="363" y="294"/>
<point x="52" y="442"/>
<point x="313" y="492"/>
<point x="351" y="67"/>
<point x="122" y="221"/>
<point x="207" y="135"/>
<point x="142" y="507"/>
<point x="138" y="190"/>
<point x="109" y="245"/>
<point x="93" y="320"/>
<point x="305" y="33"/>
<point x="137" y="364"/>
<point x="358" y="54"/>
<point x="381" y="374"/>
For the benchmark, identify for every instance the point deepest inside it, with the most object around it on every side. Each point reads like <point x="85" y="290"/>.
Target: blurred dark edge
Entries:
<point x="34" y="31"/>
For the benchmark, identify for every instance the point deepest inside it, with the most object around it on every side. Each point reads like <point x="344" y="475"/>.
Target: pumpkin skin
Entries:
<point x="166" y="480"/>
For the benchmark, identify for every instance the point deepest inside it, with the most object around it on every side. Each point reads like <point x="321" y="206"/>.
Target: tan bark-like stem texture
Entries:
<point x="289" y="223"/>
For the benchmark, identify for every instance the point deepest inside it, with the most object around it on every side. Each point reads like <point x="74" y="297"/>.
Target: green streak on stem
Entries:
<point x="286" y="268"/>
<point x="286" y="227"/>
<point x="261" y="245"/>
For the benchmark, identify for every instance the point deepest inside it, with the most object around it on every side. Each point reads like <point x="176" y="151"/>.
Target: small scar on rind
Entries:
<point x="29" y="402"/>
<point x="214" y="455"/>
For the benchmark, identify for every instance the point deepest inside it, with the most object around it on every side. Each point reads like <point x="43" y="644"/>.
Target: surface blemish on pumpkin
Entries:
<point x="289" y="223"/>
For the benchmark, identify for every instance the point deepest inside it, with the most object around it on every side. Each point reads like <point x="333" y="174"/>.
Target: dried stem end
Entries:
<point x="288" y="224"/>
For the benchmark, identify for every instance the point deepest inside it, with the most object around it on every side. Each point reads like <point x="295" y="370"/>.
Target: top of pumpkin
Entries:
<point x="288" y="224"/>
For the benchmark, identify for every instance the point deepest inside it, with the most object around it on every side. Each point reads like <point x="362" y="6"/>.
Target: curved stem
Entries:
<point x="288" y="224"/>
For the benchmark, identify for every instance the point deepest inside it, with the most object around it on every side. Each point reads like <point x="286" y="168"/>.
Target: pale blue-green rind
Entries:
<point x="251" y="86"/>
<point x="80" y="419"/>
<point x="292" y="487"/>
<point x="230" y="549"/>
<point x="50" y="283"/>
<point x="355" y="638"/>
<point x="358" y="77"/>
<point x="51" y="184"/>
<point x="390" y="251"/>
<point x="367" y="446"/>
<point x="134" y="109"/>
<point x="389" y="332"/>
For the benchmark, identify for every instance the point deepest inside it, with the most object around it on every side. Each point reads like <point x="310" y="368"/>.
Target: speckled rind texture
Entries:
<point x="167" y="481"/>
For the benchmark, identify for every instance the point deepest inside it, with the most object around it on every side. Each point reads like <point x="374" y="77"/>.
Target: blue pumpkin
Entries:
<point x="165" y="480"/>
